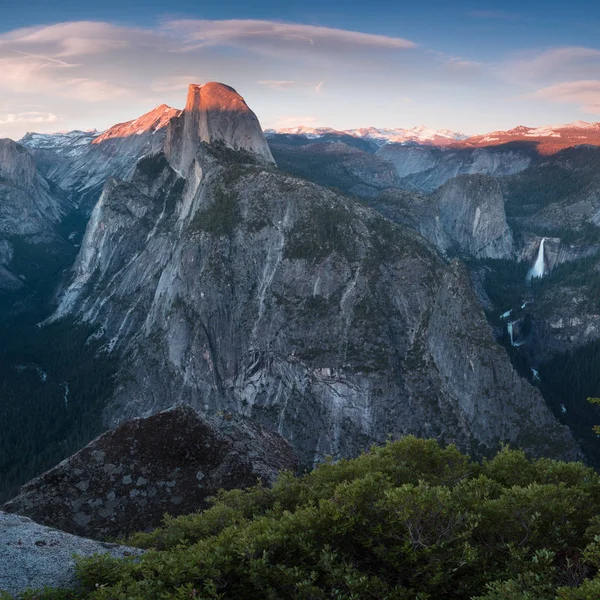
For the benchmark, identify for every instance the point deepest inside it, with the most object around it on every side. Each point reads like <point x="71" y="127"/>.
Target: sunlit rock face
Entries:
<point x="214" y="112"/>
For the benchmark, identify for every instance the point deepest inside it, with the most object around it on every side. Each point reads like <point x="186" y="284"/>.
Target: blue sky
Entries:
<point x="469" y="66"/>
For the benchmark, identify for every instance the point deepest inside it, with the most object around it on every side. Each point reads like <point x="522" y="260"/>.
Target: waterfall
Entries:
<point x="509" y="327"/>
<point x="539" y="266"/>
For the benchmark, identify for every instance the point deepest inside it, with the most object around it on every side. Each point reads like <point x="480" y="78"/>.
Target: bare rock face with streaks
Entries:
<point x="127" y="479"/>
<point x="426" y="168"/>
<point x="27" y="205"/>
<point x="31" y="210"/>
<point x="471" y="212"/>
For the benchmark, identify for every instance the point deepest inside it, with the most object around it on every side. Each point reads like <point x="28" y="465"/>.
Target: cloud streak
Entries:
<point x="28" y="117"/>
<point x="585" y="94"/>
<point x="277" y="84"/>
<point x="568" y="62"/>
<point x="265" y="36"/>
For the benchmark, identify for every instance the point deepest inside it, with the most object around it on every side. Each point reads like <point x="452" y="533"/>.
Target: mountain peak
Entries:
<point x="152" y="121"/>
<point x="215" y="112"/>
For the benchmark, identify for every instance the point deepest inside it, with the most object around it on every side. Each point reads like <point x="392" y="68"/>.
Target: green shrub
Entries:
<point x="408" y="521"/>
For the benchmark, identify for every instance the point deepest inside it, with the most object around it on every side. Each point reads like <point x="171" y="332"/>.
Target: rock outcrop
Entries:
<point x="127" y="479"/>
<point x="34" y="556"/>
<point x="471" y="211"/>
<point x="214" y="113"/>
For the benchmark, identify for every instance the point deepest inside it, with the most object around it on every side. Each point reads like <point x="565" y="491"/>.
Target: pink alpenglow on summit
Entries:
<point x="215" y="112"/>
<point x="151" y="122"/>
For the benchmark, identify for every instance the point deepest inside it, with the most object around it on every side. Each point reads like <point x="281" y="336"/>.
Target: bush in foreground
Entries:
<point x="410" y="520"/>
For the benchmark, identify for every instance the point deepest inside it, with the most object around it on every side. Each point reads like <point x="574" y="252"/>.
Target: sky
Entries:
<point x="462" y="65"/>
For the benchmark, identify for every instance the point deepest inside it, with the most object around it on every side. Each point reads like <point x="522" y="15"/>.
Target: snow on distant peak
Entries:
<point x="309" y="132"/>
<point x="380" y="136"/>
<point x="68" y="143"/>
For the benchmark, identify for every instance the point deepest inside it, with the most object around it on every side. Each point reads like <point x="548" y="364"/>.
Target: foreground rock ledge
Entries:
<point x="34" y="556"/>
<point x="128" y="478"/>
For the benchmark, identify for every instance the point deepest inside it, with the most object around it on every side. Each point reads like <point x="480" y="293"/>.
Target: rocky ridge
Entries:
<point x="471" y="212"/>
<point x="81" y="162"/>
<point x="427" y="168"/>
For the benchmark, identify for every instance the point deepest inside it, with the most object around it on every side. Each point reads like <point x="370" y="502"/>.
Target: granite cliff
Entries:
<point x="226" y="284"/>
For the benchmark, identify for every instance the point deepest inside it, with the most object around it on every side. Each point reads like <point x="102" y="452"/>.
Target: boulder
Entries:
<point x="128" y="478"/>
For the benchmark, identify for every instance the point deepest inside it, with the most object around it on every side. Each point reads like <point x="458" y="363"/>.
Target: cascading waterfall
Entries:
<point x="539" y="267"/>
<point x="509" y="327"/>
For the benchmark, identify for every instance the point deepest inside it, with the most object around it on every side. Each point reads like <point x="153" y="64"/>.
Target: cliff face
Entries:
<point x="27" y="206"/>
<point x="31" y="210"/>
<point x="230" y="285"/>
<point x="127" y="479"/>
<point x="427" y="168"/>
<point x="214" y="112"/>
<point x="471" y="210"/>
<point x="465" y="215"/>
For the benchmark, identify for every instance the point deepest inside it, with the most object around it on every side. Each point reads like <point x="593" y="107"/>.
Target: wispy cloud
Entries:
<point x="277" y="84"/>
<point x="28" y="117"/>
<point x="283" y="84"/>
<point x="556" y="64"/>
<point x="268" y="36"/>
<point x="60" y="63"/>
<point x="81" y="38"/>
<point x="585" y="94"/>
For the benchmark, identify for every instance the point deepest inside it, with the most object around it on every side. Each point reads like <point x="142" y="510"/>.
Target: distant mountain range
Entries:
<point x="549" y="139"/>
<point x="420" y="134"/>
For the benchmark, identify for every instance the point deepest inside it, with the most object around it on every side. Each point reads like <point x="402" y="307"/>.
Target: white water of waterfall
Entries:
<point x="509" y="327"/>
<point x="539" y="266"/>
